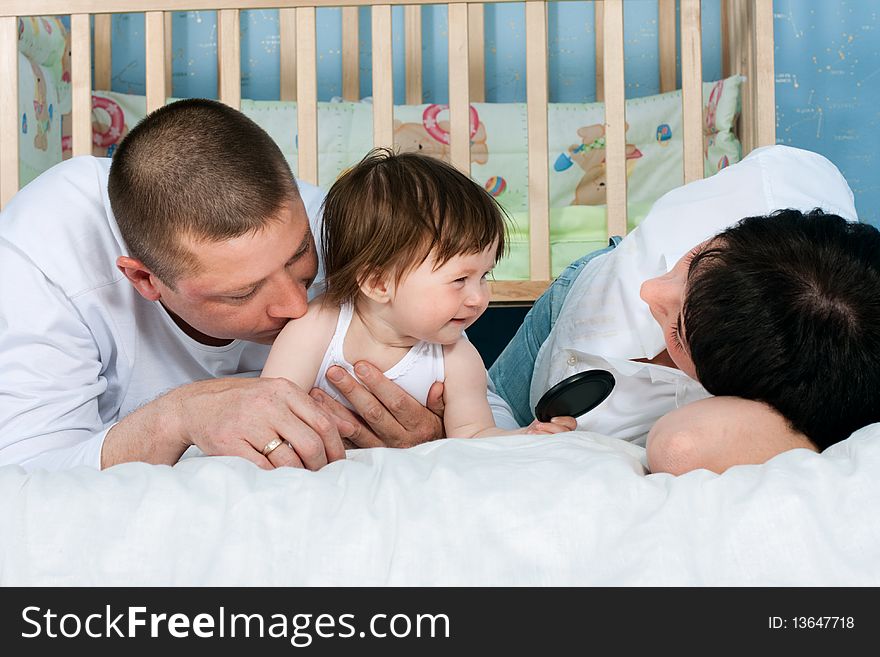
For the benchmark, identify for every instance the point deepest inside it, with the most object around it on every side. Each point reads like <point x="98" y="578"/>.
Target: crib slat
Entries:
<point x="307" y="95"/>
<point x="169" y="53"/>
<point x="666" y="39"/>
<point x="103" y="51"/>
<point x="748" y="122"/>
<point x="383" y="83"/>
<point x="765" y="94"/>
<point x="287" y="49"/>
<point x="412" y="15"/>
<point x="80" y="84"/>
<point x="536" y="99"/>
<point x="351" y="67"/>
<point x="477" y="53"/>
<point x="726" y="50"/>
<point x="8" y="109"/>
<point x="459" y="113"/>
<point x="615" y="119"/>
<point x="155" y="40"/>
<point x="599" y="29"/>
<point x="229" y="57"/>
<point x="692" y="90"/>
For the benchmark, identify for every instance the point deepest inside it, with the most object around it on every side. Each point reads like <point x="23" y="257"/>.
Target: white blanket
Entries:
<point x="572" y="509"/>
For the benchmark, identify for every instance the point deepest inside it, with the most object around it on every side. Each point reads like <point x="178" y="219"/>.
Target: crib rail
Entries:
<point x="747" y="44"/>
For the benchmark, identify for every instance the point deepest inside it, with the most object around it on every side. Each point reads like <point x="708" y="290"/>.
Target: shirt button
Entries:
<point x="572" y="360"/>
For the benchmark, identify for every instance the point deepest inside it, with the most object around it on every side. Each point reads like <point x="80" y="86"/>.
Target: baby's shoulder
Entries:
<point x="462" y="352"/>
<point x="320" y="319"/>
<point x="321" y="310"/>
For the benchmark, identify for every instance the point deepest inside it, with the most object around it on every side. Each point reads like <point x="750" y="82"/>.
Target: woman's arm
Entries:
<point x="720" y="432"/>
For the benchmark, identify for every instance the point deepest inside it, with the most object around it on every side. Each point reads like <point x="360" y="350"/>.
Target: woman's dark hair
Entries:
<point x="785" y="309"/>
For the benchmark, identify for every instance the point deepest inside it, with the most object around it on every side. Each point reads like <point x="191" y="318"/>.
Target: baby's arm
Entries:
<point x="717" y="433"/>
<point x="299" y="348"/>
<point x="467" y="413"/>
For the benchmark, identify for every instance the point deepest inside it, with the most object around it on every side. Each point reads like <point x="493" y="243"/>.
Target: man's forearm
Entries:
<point x="153" y="434"/>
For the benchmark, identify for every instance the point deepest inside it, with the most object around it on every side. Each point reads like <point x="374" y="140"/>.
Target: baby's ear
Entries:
<point x="378" y="287"/>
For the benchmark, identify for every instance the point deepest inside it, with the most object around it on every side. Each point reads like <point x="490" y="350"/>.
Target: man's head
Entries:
<point x="392" y="212"/>
<point x="213" y="220"/>
<point x="785" y="309"/>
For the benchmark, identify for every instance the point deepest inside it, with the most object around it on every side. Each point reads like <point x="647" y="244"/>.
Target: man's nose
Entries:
<point x="291" y="300"/>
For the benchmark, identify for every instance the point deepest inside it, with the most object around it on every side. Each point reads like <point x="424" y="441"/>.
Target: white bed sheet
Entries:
<point x="571" y="509"/>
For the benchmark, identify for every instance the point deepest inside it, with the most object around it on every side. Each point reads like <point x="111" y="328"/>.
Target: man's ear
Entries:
<point x="142" y="278"/>
<point x="378" y="287"/>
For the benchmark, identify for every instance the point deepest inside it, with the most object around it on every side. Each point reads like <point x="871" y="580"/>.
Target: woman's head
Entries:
<point x="785" y="309"/>
<point x="391" y="213"/>
<point x="665" y="297"/>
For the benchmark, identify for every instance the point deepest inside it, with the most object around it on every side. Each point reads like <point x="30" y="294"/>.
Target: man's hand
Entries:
<point x="229" y="417"/>
<point x="389" y="417"/>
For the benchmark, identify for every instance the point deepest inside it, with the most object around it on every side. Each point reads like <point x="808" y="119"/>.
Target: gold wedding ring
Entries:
<point x="271" y="445"/>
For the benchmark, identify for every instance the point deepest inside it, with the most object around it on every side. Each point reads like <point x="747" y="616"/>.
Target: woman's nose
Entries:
<point x="662" y="295"/>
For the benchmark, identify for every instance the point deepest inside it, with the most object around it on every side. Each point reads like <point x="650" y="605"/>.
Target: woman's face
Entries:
<point x="665" y="298"/>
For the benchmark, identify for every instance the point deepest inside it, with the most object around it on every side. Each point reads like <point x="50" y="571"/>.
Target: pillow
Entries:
<point x="43" y="93"/>
<point x="39" y="122"/>
<point x="499" y="155"/>
<point x="113" y="115"/>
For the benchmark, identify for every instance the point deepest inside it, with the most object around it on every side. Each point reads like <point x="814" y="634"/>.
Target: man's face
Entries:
<point x="665" y="297"/>
<point x="247" y="287"/>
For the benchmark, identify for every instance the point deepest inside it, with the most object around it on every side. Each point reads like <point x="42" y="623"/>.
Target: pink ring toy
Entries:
<point x="429" y="120"/>
<point x="117" y="122"/>
<point x="113" y="132"/>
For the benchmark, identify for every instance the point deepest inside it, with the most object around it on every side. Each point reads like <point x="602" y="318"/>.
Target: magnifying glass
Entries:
<point x="575" y="395"/>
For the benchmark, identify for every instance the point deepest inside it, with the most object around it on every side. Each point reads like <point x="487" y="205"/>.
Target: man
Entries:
<point x="138" y="302"/>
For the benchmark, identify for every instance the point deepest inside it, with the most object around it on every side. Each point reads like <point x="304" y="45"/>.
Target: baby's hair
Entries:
<point x="391" y="211"/>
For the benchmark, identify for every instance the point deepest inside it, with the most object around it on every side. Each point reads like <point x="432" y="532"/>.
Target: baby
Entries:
<point x="408" y="242"/>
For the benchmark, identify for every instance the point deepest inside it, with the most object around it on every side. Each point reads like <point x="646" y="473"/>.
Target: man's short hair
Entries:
<point x="785" y="309"/>
<point x="194" y="168"/>
<point x="391" y="211"/>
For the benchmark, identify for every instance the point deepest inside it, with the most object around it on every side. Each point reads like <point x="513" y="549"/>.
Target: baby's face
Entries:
<point x="436" y="304"/>
<point x="665" y="297"/>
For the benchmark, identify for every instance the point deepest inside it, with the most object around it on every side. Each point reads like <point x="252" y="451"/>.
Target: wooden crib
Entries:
<point x="747" y="45"/>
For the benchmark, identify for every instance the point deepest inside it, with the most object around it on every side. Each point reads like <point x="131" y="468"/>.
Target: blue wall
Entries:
<point x="827" y="66"/>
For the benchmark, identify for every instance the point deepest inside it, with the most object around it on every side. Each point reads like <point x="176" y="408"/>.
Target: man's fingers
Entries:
<point x="366" y="404"/>
<point x="284" y="456"/>
<point x="350" y="427"/>
<point x="310" y="429"/>
<point x="393" y="416"/>
<point x="308" y="445"/>
<point x="435" y="401"/>
<point x="253" y="456"/>
<point x="405" y="409"/>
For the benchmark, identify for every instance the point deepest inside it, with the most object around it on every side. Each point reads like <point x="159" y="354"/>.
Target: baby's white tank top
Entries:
<point x="416" y="372"/>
